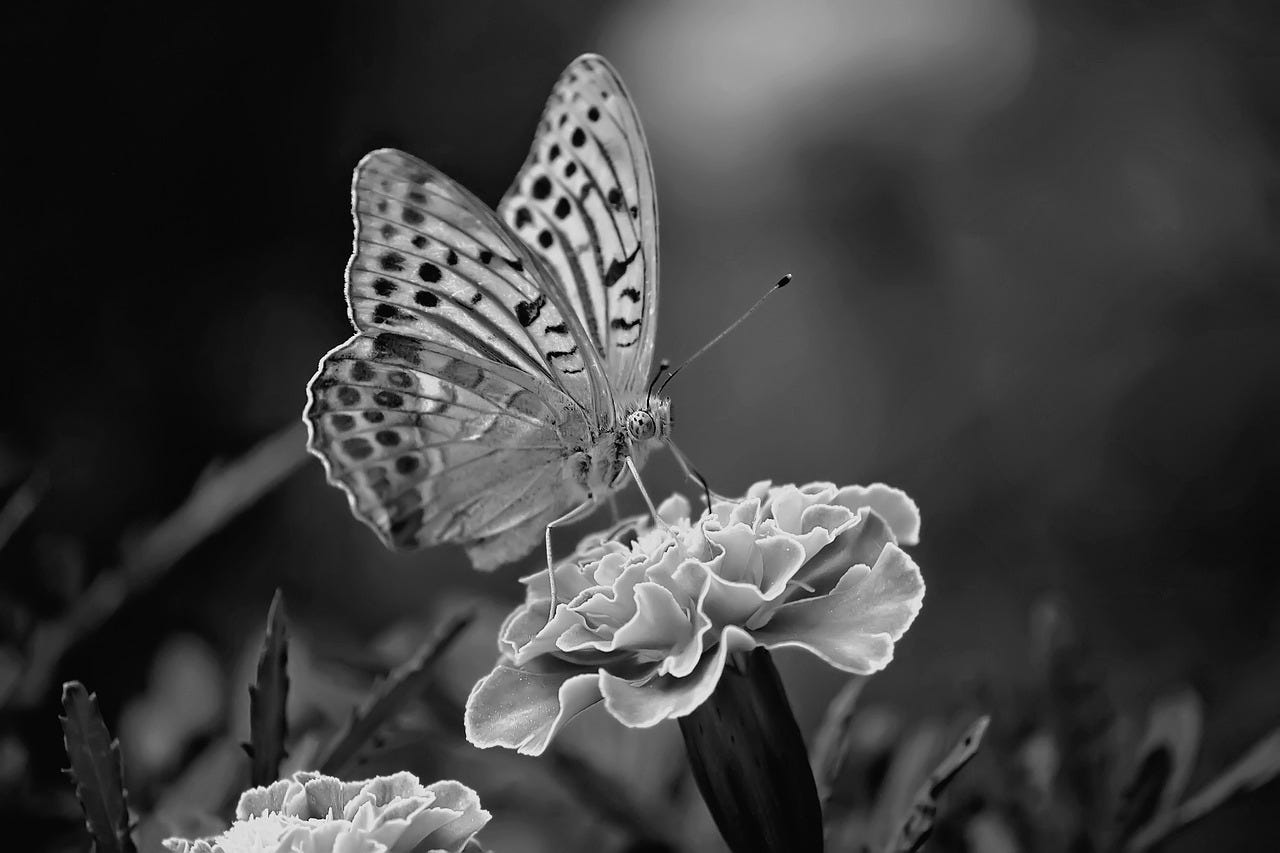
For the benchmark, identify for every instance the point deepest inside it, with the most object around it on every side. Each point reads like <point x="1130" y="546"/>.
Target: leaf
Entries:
<point x="1081" y="714"/>
<point x="831" y="742"/>
<point x="96" y="769"/>
<point x="750" y="763"/>
<point x="907" y="766"/>
<point x="268" y="698"/>
<point x="1163" y="766"/>
<point x="404" y="683"/>
<point x="1259" y="766"/>
<point x="918" y="824"/>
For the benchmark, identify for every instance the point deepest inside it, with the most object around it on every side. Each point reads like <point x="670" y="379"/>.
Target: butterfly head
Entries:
<point x="651" y="422"/>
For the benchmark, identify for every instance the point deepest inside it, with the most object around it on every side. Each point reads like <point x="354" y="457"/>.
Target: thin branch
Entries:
<point x="388" y="697"/>
<point x="21" y="504"/>
<point x="218" y="497"/>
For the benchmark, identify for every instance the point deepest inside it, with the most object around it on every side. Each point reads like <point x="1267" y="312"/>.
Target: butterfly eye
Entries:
<point x="641" y="426"/>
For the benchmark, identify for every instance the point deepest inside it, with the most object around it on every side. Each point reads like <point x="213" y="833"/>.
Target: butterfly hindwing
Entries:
<point x="433" y="446"/>
<point x="584" y="201"/>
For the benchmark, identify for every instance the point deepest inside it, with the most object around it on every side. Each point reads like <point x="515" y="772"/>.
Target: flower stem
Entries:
<point x="750" y="761"/>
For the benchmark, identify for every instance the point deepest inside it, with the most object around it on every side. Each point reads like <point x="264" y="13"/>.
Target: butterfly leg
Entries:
<point x="692" y="473"/>
<point x="579" y="512"/>
<point x="613" y="508"/>
<point x="635" y="475"/>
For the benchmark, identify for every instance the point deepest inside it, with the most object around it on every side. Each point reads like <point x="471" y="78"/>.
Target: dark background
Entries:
<point x="1035" y="259"/>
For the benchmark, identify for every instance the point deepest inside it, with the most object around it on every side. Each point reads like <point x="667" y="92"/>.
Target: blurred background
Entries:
<point x="1035" y="259"/>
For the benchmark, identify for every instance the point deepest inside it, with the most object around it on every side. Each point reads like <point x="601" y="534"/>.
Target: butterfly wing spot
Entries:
<point x="389" y="345"/>
<point x="357" y="449"/>
<point x="429" y="272"/>
<point x="618" y="268"/>
<point x="464" y="374"/>
<point x="528" y="311"/>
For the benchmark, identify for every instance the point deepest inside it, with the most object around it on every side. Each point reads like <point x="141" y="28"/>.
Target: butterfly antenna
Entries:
<point x="782" y="282"/>
<point x="663" y="367"/>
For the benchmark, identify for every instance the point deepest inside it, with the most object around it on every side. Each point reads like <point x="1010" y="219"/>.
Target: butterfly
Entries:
<point x="495" y="386"/>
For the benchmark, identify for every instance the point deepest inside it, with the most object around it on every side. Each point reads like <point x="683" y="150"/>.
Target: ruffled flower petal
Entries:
<point x="647" y="613"/>
<point x="854" y="628"/>
<point x="893" y="505"/>
<point x="522" y="710"/>
<point x="647" y="704"/>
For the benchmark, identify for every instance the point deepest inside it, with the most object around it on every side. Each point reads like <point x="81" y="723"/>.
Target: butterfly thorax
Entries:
<point x="641" y="426"/>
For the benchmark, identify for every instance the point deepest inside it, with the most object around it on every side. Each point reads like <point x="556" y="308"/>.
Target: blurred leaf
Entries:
<point x="1081" y="714"/>
<point x="404" y="683"/>
<point x="1259" y="766"/>
<point x="96" y="769"/>
<point x="909" y="766"/>
<point x="832" y="740"/>
<point x="208" y="785"/>
<point x="988" y="832"/>
<point x="1163" y="767"/>
<point x="750" y="762"/>
<point x="918" y="825"/>
<point x="268" y="697"/>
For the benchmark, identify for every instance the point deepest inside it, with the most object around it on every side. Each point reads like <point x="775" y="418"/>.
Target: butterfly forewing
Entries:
<point x="431" y="262"/>
<point x="584" y="201"/>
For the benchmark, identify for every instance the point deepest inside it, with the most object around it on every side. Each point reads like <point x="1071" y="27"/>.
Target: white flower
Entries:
<point x="311" y="813"/>
<point x="646" y="615"/>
